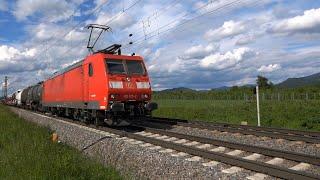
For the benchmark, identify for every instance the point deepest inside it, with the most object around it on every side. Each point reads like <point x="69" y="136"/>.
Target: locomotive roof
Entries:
<point x="79" y="63"/>
<point x="68" y="68"/>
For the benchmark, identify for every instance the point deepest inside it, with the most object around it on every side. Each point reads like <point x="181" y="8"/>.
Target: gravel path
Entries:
<point x="129" y="157"/>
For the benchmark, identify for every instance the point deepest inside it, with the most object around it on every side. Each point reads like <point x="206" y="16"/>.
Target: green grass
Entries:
<point x="297" y="114"/>
<point x="26" y="152"/>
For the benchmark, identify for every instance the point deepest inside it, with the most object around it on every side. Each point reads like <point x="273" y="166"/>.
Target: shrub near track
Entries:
<point x="26" y="152"/>
<point x="297" y="114"/>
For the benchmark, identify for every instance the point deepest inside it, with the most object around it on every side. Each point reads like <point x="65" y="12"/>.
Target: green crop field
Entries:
<point x="26" y="152"/>
<point x="294" y="114"/>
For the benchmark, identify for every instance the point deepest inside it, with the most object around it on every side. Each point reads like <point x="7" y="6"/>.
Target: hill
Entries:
<point x="311" y="80"/>
<point x="177" y="89"/>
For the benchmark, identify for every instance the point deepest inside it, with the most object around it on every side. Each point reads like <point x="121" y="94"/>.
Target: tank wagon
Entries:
<point x="18" y="97"/>
<point x="31" y="97"/>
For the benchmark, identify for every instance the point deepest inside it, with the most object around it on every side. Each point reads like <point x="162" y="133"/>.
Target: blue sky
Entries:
<point x="191" y="43"/>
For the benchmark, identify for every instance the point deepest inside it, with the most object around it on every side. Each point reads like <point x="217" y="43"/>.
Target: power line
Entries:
<point x="122" y="12"/>
<point x="157" y="14"/>
<point x="209" y="12"/>
<point x="175" y="20"/>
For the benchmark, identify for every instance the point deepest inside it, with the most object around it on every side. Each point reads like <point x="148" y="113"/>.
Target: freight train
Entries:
<point x="105" y="87"/>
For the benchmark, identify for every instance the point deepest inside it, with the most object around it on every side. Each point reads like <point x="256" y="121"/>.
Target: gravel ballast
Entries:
<point x="130" y="159"/>
<point x="281" y="144"/>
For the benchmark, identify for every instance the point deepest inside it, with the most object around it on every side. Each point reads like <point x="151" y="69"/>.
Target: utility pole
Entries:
<point x="5" y="87"/>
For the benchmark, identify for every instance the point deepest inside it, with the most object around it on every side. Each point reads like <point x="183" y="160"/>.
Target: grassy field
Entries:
<point x="26" y="152"/>
<point x="296" y="114"/>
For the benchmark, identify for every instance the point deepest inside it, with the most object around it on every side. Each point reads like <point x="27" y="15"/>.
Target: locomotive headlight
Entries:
<point x="144" y="96"/>
<point x="143" y="85"/>
<point x="116" y="84"/>
<point x="114" y="96"/>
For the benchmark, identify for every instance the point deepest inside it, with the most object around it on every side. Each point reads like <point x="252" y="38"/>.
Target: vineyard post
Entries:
<point x="258" y="105"/>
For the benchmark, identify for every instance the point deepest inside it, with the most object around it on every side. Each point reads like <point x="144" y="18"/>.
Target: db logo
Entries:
<point x="130" y="85"/>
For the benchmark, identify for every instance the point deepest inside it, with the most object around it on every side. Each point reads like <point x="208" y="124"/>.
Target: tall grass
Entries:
<point x="26" y="152"/>
<point x="297" y="114"/>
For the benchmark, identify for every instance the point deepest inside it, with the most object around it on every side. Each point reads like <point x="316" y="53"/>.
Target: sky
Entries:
<point x="199" y="44"/>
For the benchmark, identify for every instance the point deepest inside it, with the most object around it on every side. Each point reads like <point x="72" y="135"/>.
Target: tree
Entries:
<point x="264" y="82"/>
<point x="234" y="88"/>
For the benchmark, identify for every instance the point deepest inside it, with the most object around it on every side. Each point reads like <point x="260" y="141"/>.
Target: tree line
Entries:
<point x="268" y="91"/>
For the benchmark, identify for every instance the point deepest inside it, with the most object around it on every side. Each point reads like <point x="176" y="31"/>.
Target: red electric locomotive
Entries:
<point x="104" y="87"/>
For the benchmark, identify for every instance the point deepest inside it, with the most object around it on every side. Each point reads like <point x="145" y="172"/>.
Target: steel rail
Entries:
<point x="271" y="129"/>
<point x="299" y="157"/>
<point x="248" y="131"/>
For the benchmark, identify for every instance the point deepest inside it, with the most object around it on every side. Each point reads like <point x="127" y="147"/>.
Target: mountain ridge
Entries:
<point x="311" y="80"/>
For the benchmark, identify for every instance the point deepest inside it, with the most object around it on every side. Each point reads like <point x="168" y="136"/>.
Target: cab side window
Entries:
<point x="90" y="70"/>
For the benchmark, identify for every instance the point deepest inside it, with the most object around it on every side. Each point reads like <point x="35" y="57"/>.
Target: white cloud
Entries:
<point x="308" y="22"/>
<point x="11" y="53"/>
<point x="45" y="31"/>
<point x="269" y="68"/>
<point x="229" y="59"/>
<point x="228" y="29"/>
<point x="245" y="39"/>
<point x="15" y="60"/>
<point x="200" y="51"/>
<point x="52" y="10"/>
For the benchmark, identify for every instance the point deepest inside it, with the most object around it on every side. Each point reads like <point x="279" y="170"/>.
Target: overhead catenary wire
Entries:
<point x="218" y="9"/>
<point x="175" y="20"/>
<point x="157" y="14"/>
<point x="112" y="19"/>
<point x="255" y="3"/>
<point x="73" y="28"/>
<point x="80" y="22"/>
<point x="122" y="12"/>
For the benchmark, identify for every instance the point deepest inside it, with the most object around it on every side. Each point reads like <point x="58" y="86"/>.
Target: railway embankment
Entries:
<point x="140" y="152"/>
<point x="131" y="158"/>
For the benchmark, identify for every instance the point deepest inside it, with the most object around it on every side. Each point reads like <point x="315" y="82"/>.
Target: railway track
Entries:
<point x="298" y="157"/>
<point x="193" y="145"/>
<point x="277" y="133"/>
<point x="162" y="138"/>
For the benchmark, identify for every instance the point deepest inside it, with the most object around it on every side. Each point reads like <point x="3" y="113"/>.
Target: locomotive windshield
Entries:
<point x="135" y="67"/>
<point x="115" y="67"/>
<point x="118" y="67"/>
